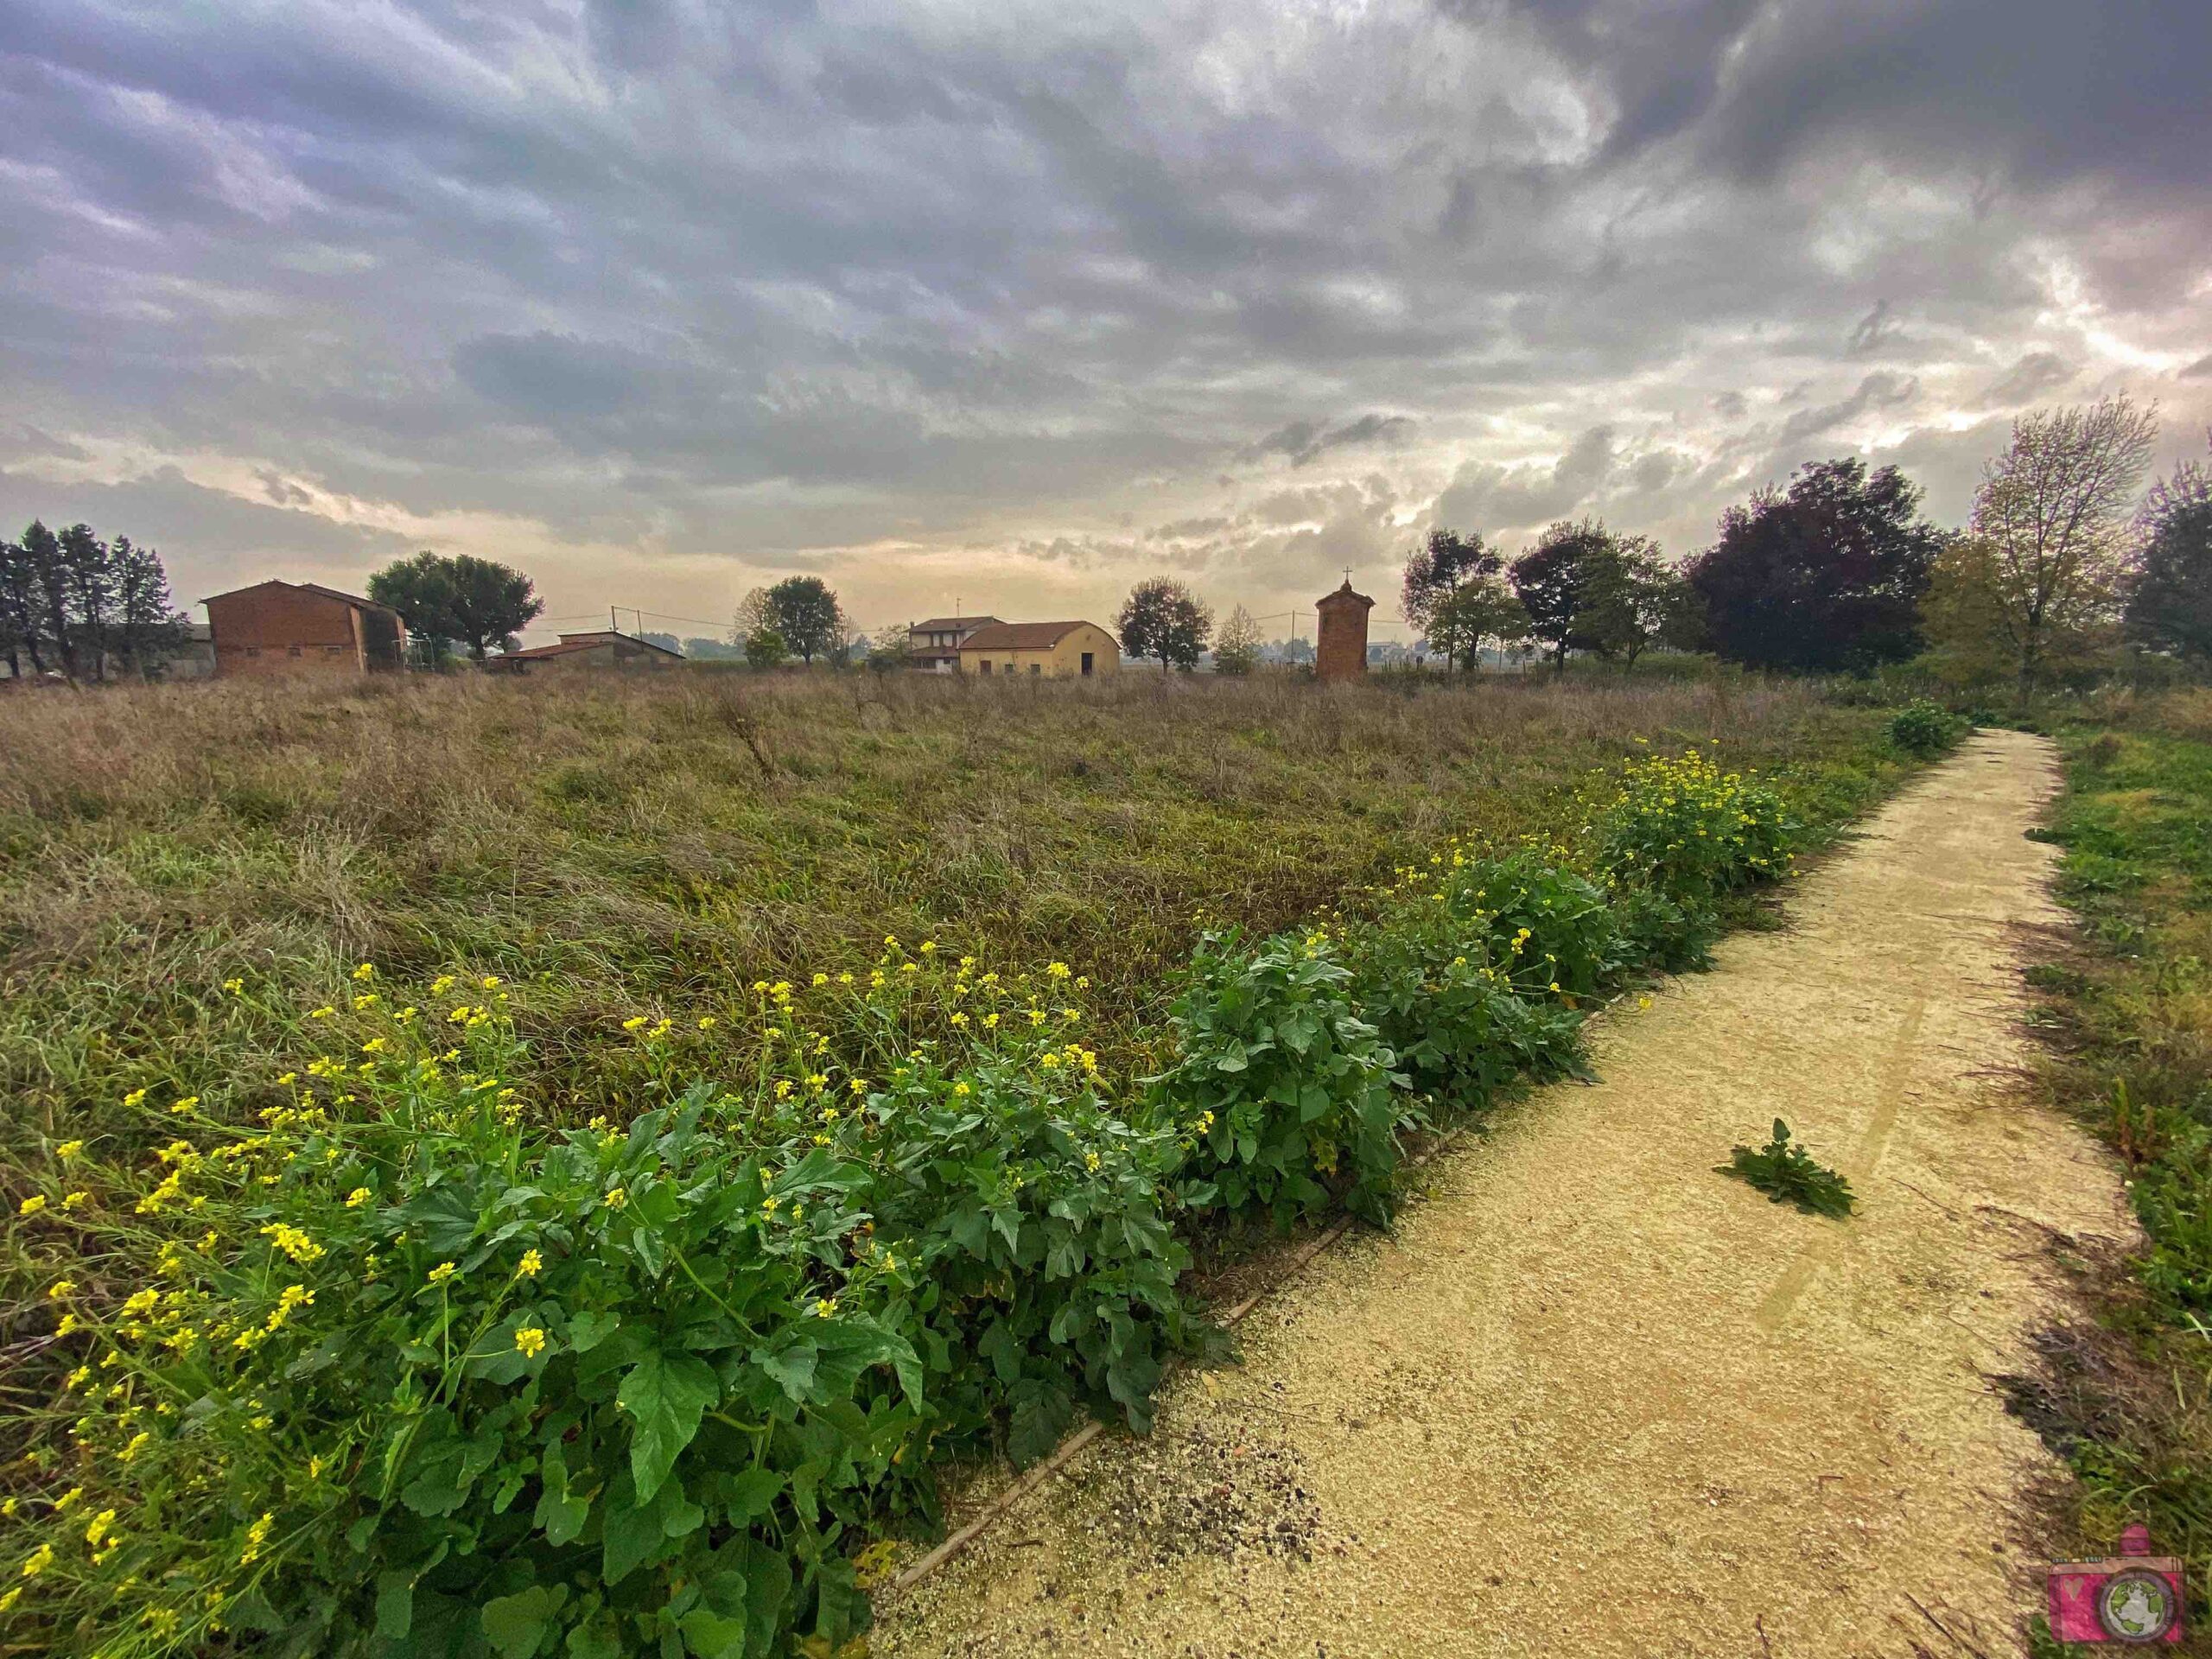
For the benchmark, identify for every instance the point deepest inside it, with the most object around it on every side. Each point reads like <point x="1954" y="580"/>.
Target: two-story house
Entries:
<point x="935" y="644"/>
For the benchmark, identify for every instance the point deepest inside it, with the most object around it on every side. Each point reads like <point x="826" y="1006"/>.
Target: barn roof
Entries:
<point x="1022" y="636"/>
<point x="950" y="624"/>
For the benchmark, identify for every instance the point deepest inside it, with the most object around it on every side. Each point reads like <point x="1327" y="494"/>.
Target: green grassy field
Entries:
<point x="326" y="1010"/>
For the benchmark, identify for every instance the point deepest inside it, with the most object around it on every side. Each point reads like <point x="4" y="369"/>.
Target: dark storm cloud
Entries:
<point x="649" y="284"/>
<point x="1304" y="440"/>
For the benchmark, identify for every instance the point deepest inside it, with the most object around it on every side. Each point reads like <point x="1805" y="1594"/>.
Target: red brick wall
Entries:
<point x="283" y="630"/>
<point x="1342" y="653"/>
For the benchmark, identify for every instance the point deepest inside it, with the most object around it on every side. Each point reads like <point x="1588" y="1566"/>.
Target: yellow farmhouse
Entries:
<point x="1045" y="650"/>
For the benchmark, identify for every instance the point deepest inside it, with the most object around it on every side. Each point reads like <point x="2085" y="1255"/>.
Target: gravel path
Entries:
<point x="1593" y="1399"/>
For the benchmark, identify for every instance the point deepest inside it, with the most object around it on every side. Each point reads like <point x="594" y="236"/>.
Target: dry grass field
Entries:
<point x="653" y="848"/>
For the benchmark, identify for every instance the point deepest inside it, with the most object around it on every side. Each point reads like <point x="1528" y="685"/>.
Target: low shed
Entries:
<point x="1048" y="651"/>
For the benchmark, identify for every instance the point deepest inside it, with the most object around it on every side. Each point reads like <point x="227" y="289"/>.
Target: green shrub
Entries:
<point x="405" y="1372"/>
<point x="1925" y="727"/>
<point x="1287" y="1093"/>
<point x="1472" y="971"/>
<point x="1034" y="1222"/>
<point x="398" y="1364"/>
<point x="1690" y="831"/>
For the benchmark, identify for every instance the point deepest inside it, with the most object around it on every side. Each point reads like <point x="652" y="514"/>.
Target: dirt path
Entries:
<point x="1593" y="1399"/>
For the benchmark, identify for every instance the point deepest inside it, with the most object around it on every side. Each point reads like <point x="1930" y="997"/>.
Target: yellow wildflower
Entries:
<point x="368" y="970"/>
<point x="68" y="1149"/>
<point x="619" y="1197"/>
<point x="442" y="1271"/>
<point x="31" y="1205"/>
<point x="135" y="1097"/>
<point x="356" y="1197"/>
<point x="39" y="1560"/>
<point x="530" y="1265"/>
<point x="61" y="1287"/>
<point x="530" y="1341"/>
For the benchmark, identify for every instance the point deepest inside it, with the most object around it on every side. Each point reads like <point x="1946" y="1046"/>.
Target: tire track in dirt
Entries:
<point x="1593" y="1399"/>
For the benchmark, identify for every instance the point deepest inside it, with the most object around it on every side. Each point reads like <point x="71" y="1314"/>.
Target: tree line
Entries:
<point x="1841" y="573"/>
<point x="75" y="604"/>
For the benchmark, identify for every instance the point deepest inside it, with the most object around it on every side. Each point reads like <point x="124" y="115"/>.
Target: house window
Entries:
<point x="1036" y="668"/>
<point x="987" y="665"/>
<point x="291" y="650"/>
<point x="1086" y="664"/>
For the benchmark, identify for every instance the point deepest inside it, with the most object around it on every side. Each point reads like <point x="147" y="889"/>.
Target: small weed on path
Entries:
<point x="1787" y="1174"/>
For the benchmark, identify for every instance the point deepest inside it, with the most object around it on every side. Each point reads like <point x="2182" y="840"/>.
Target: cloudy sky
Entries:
<point x="1019" y="301"/>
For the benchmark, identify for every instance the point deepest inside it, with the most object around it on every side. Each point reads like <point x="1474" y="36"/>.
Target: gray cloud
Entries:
<point x="657" y="297"/>
<point x="2033" y="377"/>
<point x="1305" y="441"/>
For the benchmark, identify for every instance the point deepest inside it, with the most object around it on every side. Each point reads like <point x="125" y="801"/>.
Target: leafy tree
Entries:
<point x="1482" y="608"/>
<point x="665" y="641"/>
<point x="476" y="602"/>
<point x="1434" y="574"/>
<point x="1829" y="577"/>
<point x="1638" y="600"/>
<point x="2170" y="605"/>
<point x="755" y="611"/>
<point x="1586" y="588"/>
<point x="1236" y="648"/>
<point x="2053" y="514"/>
<point x="806" y="615"/>
<point x="1162" y="617"/>
<point x="765" y="647"/>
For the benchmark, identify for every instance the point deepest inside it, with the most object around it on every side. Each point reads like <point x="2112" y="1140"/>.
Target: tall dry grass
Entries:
<point x="652" y="845"/>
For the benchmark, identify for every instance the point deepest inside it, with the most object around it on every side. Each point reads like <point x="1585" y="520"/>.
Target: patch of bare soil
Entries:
<point x="1593" y="1398"/>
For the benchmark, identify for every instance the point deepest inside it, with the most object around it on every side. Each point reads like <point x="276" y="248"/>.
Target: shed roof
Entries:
<point x="1023" y="636"/>
<point x="536" y="653"/>
<point x="354" y="600"/>
<point x="572" y="642"/>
